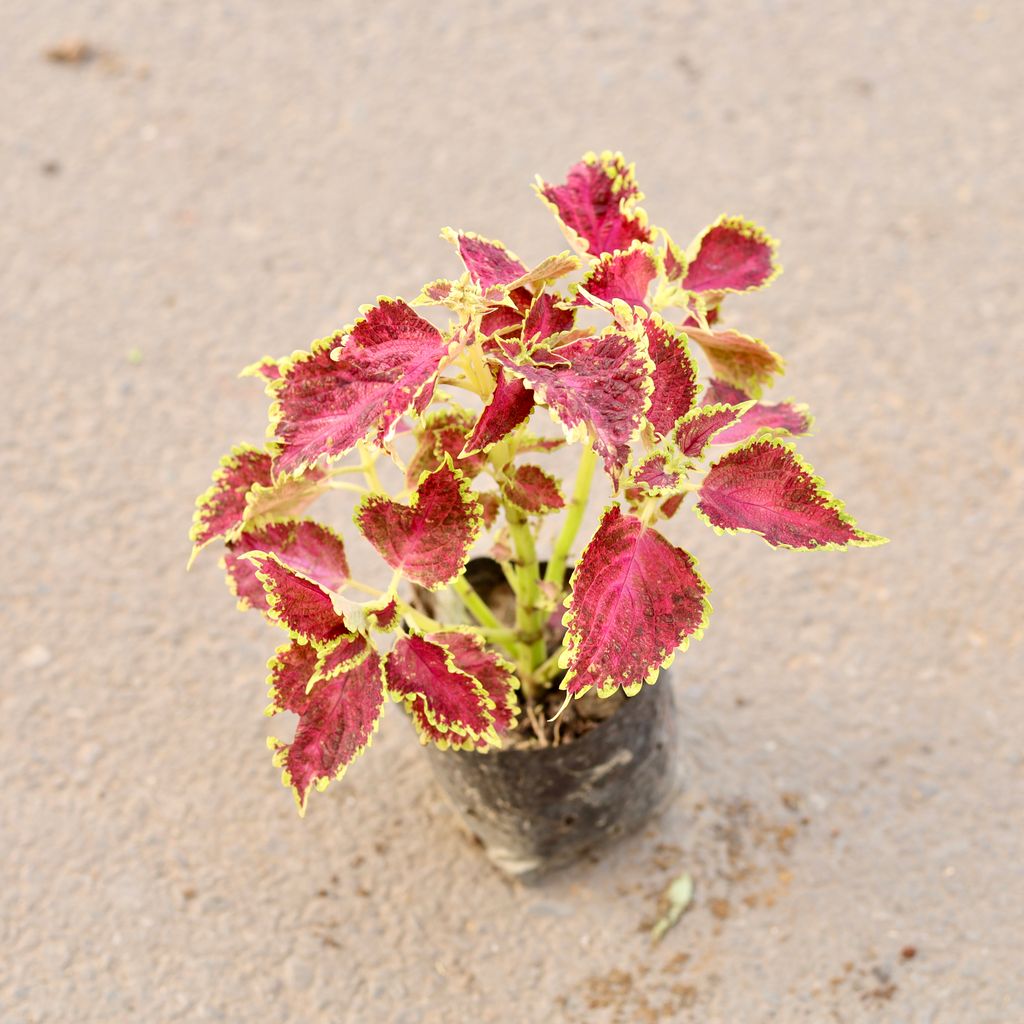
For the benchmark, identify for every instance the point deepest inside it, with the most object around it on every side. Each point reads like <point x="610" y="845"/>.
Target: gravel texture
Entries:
<point x="201" y="184"/>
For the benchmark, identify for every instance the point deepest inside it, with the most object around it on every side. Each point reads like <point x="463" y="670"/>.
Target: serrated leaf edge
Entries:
<point x="863" y="540"/>
<point x="754" y="386"/>
<point x="708" y="412"/>
<point x="227" y="463"/>
<point x="478" y="689"/>
<point x="748" y="229"/>
<point x="470" y="501"/>
<point x="674" y="461"/>
<point x="274" y="599"/>
<point x="544" y="509"/>
<point x="628" y="206"/>
<point x="581" y="432"/>
<point x="603" y="261"/>
<point x="606" y="688"/>
<point x="280" y="757"/>
<point x="276" y="444"/>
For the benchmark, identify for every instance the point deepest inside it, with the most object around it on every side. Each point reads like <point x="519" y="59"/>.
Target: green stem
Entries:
<point x="364" y="587"/>
<point x="573" y="518"/>
<point x="548" y="669"/>
<point x="506" y="637"/>
<point x="489" y="627"/>
<point x="419" y="619"/>
<point x="475" y="604"/>
<point x="367" y="465"/>
<point x="335" y="485"/>
<point x="392" y="590"/>
<point x="529" y="620"/>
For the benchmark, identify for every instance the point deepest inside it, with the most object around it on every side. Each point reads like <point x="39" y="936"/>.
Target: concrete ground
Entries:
<point x="219" y="181"/>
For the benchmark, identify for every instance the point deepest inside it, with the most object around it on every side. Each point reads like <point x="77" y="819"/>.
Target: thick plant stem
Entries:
<point x="573" y="518"/>
<point x="419" y="619"/>
<point x="335" y="485"/>
<point x="505" y="637"/>
<point x="475" y="603"/>
<point x="547" y="670"/>
<point x="367" y="463"/>
<point x="529" y="621"/>
<point x="364" y="587"/>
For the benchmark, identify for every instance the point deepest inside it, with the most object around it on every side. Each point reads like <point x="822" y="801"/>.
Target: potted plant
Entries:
<point x="530" y="676"/>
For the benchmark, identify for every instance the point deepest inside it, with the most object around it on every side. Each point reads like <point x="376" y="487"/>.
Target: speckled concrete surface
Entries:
<point x="228" y="180"/>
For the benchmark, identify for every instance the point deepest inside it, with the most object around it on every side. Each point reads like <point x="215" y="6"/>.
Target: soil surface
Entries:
<point x="191" y="186"/>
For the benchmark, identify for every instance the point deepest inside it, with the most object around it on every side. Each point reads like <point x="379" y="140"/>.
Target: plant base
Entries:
<point x="539" y="809"/>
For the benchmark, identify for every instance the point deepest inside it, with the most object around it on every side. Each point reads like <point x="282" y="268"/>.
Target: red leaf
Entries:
<point x="733" y="255"/>
<point x="532" y="320"/>
<point x="311" y="549"/>
<point x="673" y="260"/>
<point x="671" y="506"/>
<point x="720" y="393"/>
<point x="779" y="416"/>
<point x="764" y="487"/>
<point x="675" y="376"/>
<point x="507" y="320"/>
<point x="268" y="368"/>
<point x="533" y="490"/>
<point x="546" y="318"/>
<point x="598" y="385"/>
<point x="335" y="727"/>
<point x="490" y="502"/>
<point x="511" y="404"/>
<point x="285" y="498"/>
<point x="295" y="668"/>
<point x="220" y="508"/>
<point x="738" y="359"/>
<point x="635" y="599"/>
<point x="451" y="700"/>
<point x="429" y="540"/>
<point x="385" y="618"/>
<point x="299" y="604"/>
<point x="625" y="275"/>
<point x="694" y="432"/>
<point x="657" y="475"/>
<point x="355" y="385"/>
<point x="596" y="205"/>
<point x="416" y="706"/>
<point x="290" y="669"/>
<point x="437" y="292"/>
<point x="491" y="670"/>
<point x="529" y="443"/>
<point x="488" y="262"/>
<point x="342" y="655"/>
<point x="444" y="433"/>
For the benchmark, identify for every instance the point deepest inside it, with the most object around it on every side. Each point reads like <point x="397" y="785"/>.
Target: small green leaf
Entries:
<point x="676" y="899"/>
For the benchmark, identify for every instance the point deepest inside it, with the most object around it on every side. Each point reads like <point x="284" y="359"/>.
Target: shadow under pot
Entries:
<point x="544" y="801"/>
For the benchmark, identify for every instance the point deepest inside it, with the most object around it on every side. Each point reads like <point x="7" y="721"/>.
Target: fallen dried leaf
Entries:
<point x="676" y="899"/>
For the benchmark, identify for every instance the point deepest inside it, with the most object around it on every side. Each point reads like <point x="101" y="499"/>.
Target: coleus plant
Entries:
<point x="611" y="358"/>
